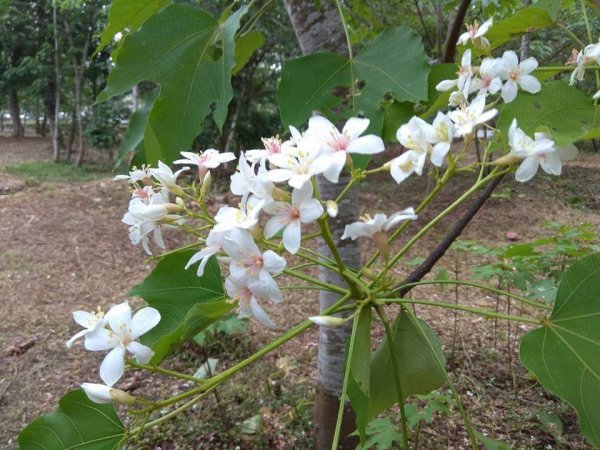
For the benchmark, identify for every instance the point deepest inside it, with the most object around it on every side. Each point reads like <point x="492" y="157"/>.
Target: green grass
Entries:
<point x="46" y="171"/>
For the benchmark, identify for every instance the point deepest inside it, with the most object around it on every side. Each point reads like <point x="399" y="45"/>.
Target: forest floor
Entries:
<point x="63" y="247"/>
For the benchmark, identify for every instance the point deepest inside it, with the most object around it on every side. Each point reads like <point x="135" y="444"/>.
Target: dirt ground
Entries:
<point x="63" y="247"/>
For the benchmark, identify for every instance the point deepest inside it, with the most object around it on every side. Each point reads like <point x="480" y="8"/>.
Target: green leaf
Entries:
<point x="563" y="353"/>
<point x="187" y="303"/>
<point x="77" y="423"/>
<point x="190" y="55"/>
<point x="134" y="137"/>
<point x="360" y="371"/>
<point x="128" y="15"/>
<point x="393" y="64"/>
<point x="524" y="21"/>
<point x="437" y="100"/>
<point x="245" y="46"/>
<point x="419" y="354"/>
<point x="490" y="443"/>
<point x="381" y="434"/>
<point x="561" y="110"/>
<point x="396" y="114"/>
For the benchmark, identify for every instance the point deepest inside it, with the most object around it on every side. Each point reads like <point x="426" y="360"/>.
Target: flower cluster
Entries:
<point x="118" y="332"/>
<point x="589" y="55"/>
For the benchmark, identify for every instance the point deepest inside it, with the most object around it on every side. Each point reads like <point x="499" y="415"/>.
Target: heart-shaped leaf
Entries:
<point x="564" y="352"/>
<point x="187" y="303"/>
<point x="77" y="423"/>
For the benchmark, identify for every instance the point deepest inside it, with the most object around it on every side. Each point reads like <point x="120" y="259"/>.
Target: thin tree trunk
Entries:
<point x="321" y="29"/>
<point x="454" y="31"/>
<point x="72" y="134"/>
<point x="525" y="38"/>
<point x="54" y="124"/>
<point x="15" y="114"/>
<point x="439" y="12"/>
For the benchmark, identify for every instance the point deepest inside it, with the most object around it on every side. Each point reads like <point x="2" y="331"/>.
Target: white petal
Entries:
<point x="84" y="318"/>
<point x="98" y="393"/>
<point x="527" y="170"/>
<point x="310" y="211"/>
<point x="142" y="353"/>
<point x="440" y="150"/>
<point x="446" y="85"/>
<point x="528" y="65"/>
<point x="302" y="194"/>
<point x="119" y="317"/>
<point x="366" y="145"/>
<point x="530" y="84"/>
<point x="400" y="216"/>
<point x="511" y="60"/>
<point x="274" y="225"/>
<point x="76" y="336"/>
<point x="338" y="160"/>
<point x="143" y="321"/>
<point x="321" y="126"/>
<point x="509" y="91"/>
<point x="355" y="126"/>
<point x="567" y="153"/>
<point x="273" y="262"/>
<point x="551" y="163"/>
<point x="100" y="340"/>
<point x="260" y="314"/>
<point x="292" y="236"/>
<point x="113" y="366"/>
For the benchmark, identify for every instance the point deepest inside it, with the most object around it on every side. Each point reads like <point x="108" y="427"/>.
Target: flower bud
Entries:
<point x="506" y="160"/>
<point x="257" y="233"/>
<point x="173" y="208"/>
<point x="206" y="184"/>
<point x="100" y="393"/>
<point x="332" y="208"/>
<point x="327" y="321"/>
<point x="176" y="190"/>
<point x="179" y="201"/>
<point x="280" y="195"/>
<point x="381" y="242"/>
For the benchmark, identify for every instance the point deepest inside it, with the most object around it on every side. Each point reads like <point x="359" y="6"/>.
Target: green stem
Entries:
<point x="342" y="407"/>
<point x="164" y="371"/>
<point x="345" y="25"/>
<point x="391" y="343"/>
<point x="479" y="286"/>
<point x="589" y="33"/>
<point x="478" y="311"/>
<point x="314" y="281"/>
<point x="571" y="34"/>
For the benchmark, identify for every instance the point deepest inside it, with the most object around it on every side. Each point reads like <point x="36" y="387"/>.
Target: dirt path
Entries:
<point x="63" y="247"/>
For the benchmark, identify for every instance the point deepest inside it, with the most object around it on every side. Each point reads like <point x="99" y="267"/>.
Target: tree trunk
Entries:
<point x="321" y="29"/>
<point x="72" y="134"/>
<point x="79" y="117"/>
<point x="54" y="124"/>
<point x="525" y="38"/>
<point x="454" y="31"/>
<point x="15" y="114"/>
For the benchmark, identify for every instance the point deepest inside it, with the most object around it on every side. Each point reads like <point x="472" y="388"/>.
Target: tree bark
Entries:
<point x="454" y="31"/>
<point x="55" y="116"/>
<point x="321" y="29"/>
<point x="15" y="114"/>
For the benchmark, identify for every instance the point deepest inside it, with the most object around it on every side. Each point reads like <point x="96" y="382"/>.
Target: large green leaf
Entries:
<point x="561" y="110"/>
<point x="393" y="64"/>
<point x="359" y="384"/>
<point x="128" y="15"/>
<point x="77" y="423"/>
<point x="419" y="355"/>
<point x="190" y="55"/>
<point x="420" y="366"/>
<point x="564" y="352"/>
<point x="187" y="303"/>
<point x="245" y="46"/>
<point x="134" y="137"/>
<point x="524" y="21"/>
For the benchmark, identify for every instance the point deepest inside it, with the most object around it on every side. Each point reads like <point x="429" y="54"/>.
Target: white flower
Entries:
<point x="535" y="152"/>
<point x="440" y="133"/>
<point x="208" y="159"/>
<point x="248" y="296"/>
<point x="273" y="145"/>
<point x="249" y="263"/>
<point x="246" y="181"/>
<point x="100" y="393"/>
<point x="90" y="322"/>
<point x="214" y="245"/>
<point x="299" y="163"/>
<point x="336" y="146"/>
<point x="517" y="75"/>
<point x="489" y="76"/>
<point x="143" y="219"/>
<point x="475" y="34"/>
<point x="245" y="217"/>
<point x="579" y="72"/>
<point x="465" y="74"/>
<point x="165" y="175"/>
<point x="467" y="118"/>
<point x="457" y="98"/>
<point x="122" y="337"/>
<point x="407" y="163"/>
<point x="370" y="226"/>
<point x="413" y="135"/>
<point x="592" y="52"/>
<point x="136" y="175"/>
<point x="286" y="216"/>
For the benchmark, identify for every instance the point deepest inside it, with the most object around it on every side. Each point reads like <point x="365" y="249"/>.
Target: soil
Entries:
<point x="63" y="247"/>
